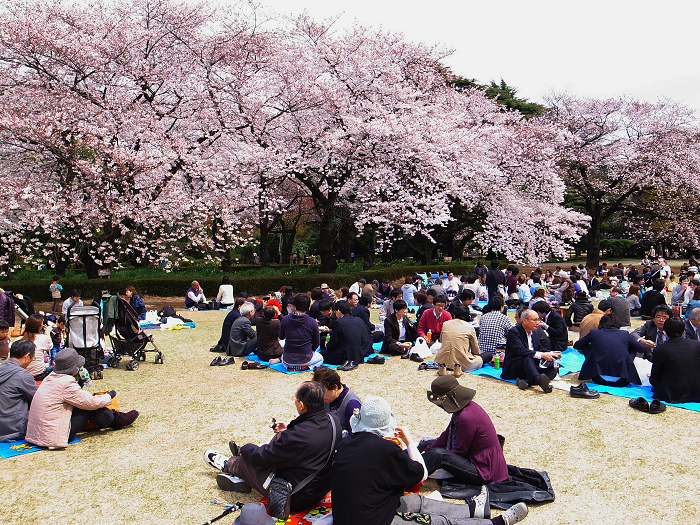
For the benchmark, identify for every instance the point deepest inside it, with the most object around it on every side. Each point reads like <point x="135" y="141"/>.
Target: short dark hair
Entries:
<point x="225" y="280"/>
<point x="663" y="308"/>
<point x="461" y="312"/>
<point x="467" y="294"/>
<point x="659" y="285"/>
<point x="581" y="295"/>
<point x="22" y="347"/>
<point x="431" y="292"/>
<point x="311" y="393"/>
<point x="76" y="292"/>
<point x="351" y="295"/>
<point x="343" y="307"/>
<point x="365" y="300"/>
<point x="495" y="303"/>
<point x="60" y="319"/>
<point x="395" y="293"/>
<point x="604" y="305"/>
<point x="541" y="307"/>
<point x="301" y="302"/>
<point x="317" y="293"/>
<point x="239" y="302"/>
<point x="609" y="320"/>
<point x="440" y="299"/>
<point x="400" y="305"/>
<point x="4" y="325"/>
<point x="420" y="298"/>
<point x="269" y="312"/>
<point x="325" y="304"/>
<point x="674" y="327"/>
<point x="328" y="377"/>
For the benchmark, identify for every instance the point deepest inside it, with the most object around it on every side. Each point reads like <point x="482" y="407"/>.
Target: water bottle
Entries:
<point x="497" y="362"/>
<point x="85" y="376"/>
<point x="328" y="338"/>
<point x="428" y="336"/>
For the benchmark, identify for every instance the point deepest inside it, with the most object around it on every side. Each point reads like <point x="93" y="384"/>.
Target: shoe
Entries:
<point x="457" y="370"/>
<point x="431" y="366"/>
<point x="522" y="384"/>
<point x="232" y="483"/>
<point x="217" y="348"/>
<point x="376" y="360"/>
<point x="442" y="369"/>
<point x="582" y="391"/>
<point x="423" y="366"/>
<point x="123" y="419"/>
<point x="406" y="354"/>
<point x="216" y="361"/>
<point x="233" y="448"/>
<point x="416" y="358"/>
<point x="544" y="384"/>
<point x="514" y="514"/>
<point x="244" y="365"/>
<point x="482" y="507"/>
<point x="640" y="404"/>
<point x="214" y="459"/>
<point x="227" y="361"/>
<point x="254" y="365"/>
<point x="656" y="407"/>
<point x="347" y="366"/>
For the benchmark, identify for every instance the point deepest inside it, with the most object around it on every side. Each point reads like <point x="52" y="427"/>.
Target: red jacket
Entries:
<point x="429" y="322"/>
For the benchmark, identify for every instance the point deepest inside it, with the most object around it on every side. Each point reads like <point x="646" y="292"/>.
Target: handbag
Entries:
<point x="280" y="491"/>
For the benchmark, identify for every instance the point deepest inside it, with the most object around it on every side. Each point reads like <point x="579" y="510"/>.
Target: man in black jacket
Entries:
<point x="675" y="374"/>
<point x="554" y="325"/>
<point x="350" y="341"/>
<point x="652" y="298"/>
<point x="651" y="334"/>
<point x="298" y="450"/>
<point x="692" y="324"/>
<point x="362" y="311"/>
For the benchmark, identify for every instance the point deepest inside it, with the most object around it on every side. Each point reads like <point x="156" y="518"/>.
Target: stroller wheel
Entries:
<point x="113" y="362"/>
<point x="159" y="358"/>
<point x="133" y="365"/>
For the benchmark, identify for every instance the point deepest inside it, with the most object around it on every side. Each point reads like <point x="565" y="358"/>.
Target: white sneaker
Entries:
<point x="515" y="514"/>
<point x="482" y="502"/>
<point x="214" y="459"/>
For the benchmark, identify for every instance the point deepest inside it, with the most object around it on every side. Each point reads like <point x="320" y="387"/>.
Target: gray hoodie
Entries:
<point x="17" y="388"/>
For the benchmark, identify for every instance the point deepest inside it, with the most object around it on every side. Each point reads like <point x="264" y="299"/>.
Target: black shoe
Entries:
<point x="406" y="354"/>
<point x="423" y="366"/>
<point x="544" y="384"/>
<point x="233" y="447"/>
<point x="216" y="361"/>
<point x="416" y="358"/>
<point x="227" y="361"/>
<point x="232" y="483"/>
<point x="522" y="384"/>
<point x="217" y="348"/>
<point x="639" y="404"/>
<point x="347" y="366"/>
<point x="123" y="419"/>
<point x="582" y="391"/>
<point x="376" y="360"/>
<point x="656" y="407"/>
<point x="431" y="366"/>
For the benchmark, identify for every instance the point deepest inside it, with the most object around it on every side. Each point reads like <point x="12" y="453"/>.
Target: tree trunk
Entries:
<point x="91" y="267"/>
<point x="593" y="242"/>
<point x="325" y="242"/>
<point x="369" y="247"/>
<point x="264" y="242"/>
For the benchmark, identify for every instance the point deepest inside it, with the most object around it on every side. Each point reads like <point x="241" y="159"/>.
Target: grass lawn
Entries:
<point x="608" y="463"/>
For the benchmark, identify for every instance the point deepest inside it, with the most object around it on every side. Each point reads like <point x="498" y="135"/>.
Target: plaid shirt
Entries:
<point x="492" y="330"/>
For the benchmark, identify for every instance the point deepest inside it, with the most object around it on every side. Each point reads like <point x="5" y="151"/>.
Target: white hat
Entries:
<point x="375" y="416"/>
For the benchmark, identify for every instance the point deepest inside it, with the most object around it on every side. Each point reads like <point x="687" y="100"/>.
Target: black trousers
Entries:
<point x="101" y="418"/>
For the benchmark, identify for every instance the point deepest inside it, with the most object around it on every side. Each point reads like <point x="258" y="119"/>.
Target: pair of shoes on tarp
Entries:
<point x="347" y="366"/>
<point x="641" y="404"/>
<point x="222" y="361"/>
<point x="582" y="391"/>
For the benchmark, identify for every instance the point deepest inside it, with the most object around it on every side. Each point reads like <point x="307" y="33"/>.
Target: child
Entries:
<point x="57" y="337"/>
<point x="4" y="340"/>
<point x="73" y="300"/>
<point x="56" y="293"/>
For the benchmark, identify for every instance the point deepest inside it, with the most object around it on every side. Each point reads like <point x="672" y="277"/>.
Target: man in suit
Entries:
<point x="652" y="298"/>
<point x="362" y="312"/>
<point x="523" y="353"/>
<point x="692" y="325"/>
<point x="675" y="374"/>
<point x="349" y="341"/>
<point x="554" y="325"/>
<point x="651" y="334"/>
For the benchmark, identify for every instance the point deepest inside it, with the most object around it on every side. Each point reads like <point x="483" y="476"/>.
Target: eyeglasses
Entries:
<point x="661" y="317"/>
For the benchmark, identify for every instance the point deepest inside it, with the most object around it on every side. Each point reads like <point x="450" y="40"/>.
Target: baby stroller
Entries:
<point x="128" y="338"/>
<point x="85" y="336"/>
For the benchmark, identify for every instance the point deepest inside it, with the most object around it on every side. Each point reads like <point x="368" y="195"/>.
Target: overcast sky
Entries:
<point x="600" y="49"/>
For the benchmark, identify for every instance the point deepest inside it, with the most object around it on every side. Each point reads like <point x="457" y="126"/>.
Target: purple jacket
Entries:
<point x="7" y="309"/>
<point x="301" y="336"/>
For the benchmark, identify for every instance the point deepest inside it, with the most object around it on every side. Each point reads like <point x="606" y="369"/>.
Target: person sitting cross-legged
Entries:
<point x="17" y="389"/>
<point x="298" y="451"/>
<point x="301" y="335"/>
<point x="350" y="341"/>
<point x="675" y="372"/>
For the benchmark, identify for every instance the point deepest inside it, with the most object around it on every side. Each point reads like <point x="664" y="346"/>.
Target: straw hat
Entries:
<point x="448" y="394"/>
<point x="374" y="416"/>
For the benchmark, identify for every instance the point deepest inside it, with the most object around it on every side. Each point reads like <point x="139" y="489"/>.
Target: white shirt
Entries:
<point x="197" y="298"/>
<point x="225" y="294"/>
<point x="355" y="288"/>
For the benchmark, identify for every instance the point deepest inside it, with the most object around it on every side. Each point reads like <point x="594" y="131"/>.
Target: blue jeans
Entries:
<point x="54" y="351"/>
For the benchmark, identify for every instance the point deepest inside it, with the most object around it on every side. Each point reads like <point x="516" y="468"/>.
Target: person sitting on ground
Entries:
<point x="328" y="292"/>
<point x="230" y="318"/>
<point x="678" y="293"/>
<point x="433" y="319"/>
<point x="493" y="326"/>
<point x="286" y="298"/>
<point x="408" y="289"/>
<point x="651" y="334"/>
<point x="554" y="325"/>
<point x="17" y="389"/>
<point x="268" y="329"/>
<point x="384" y="290"/>
<point x="675" y="373"/>
<point x="60" y="409"/>
<point x="468" y="448"/>
<point x="243" y="340"/>
<point x="372" y="470"/>
<point x="339" y="399"/>
<point x="350" y="341"/>
<point x="633" y="300"/>
<point x="34" y="332"/>
<point x="609" y="351"/>
<point x="301" y="335"/>
<point x="73" y="300"/>
<point x="136" y="302"/>
<point x="460" y="345"/>
<point x="225" y="296"/>
<point x="524" y="294"/>
<point x="316" y="296"/>
<point x="362" y="312"/>
<point x="388" y="307"/>
<point x="399" y="332"/>
<point x="4" y="340"/>
<point x="652" y="298"/>
<point x="694" y="302"/>
<point x="538" y="295"/>
<point x="421" y="300"/>
<point x="524" y="360"/>
<point x="465" y="298"/>
<point x="591" y="320"/>
<point x="579" y="309"/>
<point x="692" y="325"/>
<point x="620" y="306"/>
<point x="539" y="331"/>
<point x="194" y="298"/>
<point x="298" y="450"/>
<point x="438" y="288"/>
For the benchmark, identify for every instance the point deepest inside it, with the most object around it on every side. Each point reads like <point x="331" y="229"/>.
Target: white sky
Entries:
<point x="648" y="50"/>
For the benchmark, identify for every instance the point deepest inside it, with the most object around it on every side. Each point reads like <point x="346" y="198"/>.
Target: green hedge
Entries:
<point x="176" y="286"/>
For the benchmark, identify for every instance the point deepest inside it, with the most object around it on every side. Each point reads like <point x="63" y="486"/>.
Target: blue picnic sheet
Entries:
<point x="572" y="361"/>
<point x="17" y="448"/>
